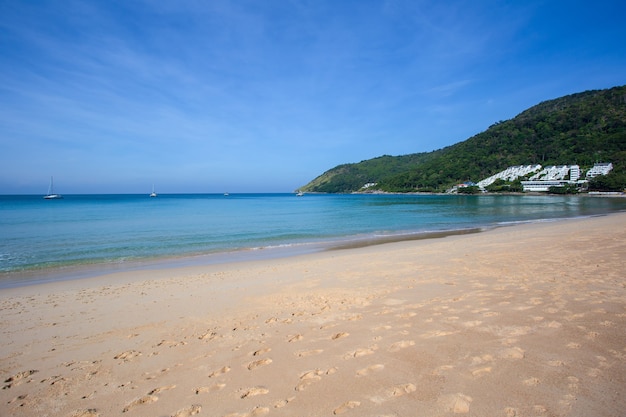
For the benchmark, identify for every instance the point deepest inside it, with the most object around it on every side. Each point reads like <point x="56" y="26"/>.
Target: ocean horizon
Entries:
<point x="86" y="235"/>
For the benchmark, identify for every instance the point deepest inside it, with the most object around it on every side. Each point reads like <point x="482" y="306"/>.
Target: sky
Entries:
<point x="205" y="96"/>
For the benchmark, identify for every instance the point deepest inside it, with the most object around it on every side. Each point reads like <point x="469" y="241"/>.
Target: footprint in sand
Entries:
<point x="436" y="333"/>
<point x="256" y="411"/>
<point x="256" y="364"/>
<point x="510" y="412"/>
<point x="304" y="353"/>
<point x="169" y="343"/>
<point x="18" y="378"/>
<point x="254" y="391"/>
<point x="259" y="411"/>
<point x="295" y="338"/>
<point x="128" y="355"/>
<point x="159" y="389"/>
<point x="401" y="345"/>
<point x="261" y="351"/>
<point x="440" y="370"/>
<point x="148" y="375"/>
<point x="188" y="412"/>
<point x="212" y="388"/>
<point x="370" y="369"/>
<point x="23" y="397"/>
<point x="400" y="390"/>
<point x="146" y="399"/>
<point x="477" y="373"/>
<point x="340" y="335"/>
<point x="573" y="383"/>
<point x="219" y="372"/>
<point x="92" y="412"/>
<point x="457" y="403"/>
<point x="208" y="335"/>
<point x="308" y="378"/>
<point x="282" y="403"/>
<point x="349" y="405"/>
<point x="360" y="352"/>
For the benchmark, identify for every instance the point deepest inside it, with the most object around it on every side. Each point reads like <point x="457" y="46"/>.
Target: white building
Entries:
<point x="541" y="185"/>
<point x="599" y="169"/>
<point x="509" y="174"/>
<point x="557" y="173"/>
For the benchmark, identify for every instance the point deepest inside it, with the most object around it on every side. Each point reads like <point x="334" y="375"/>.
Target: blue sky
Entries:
<point x="262" y="96"/>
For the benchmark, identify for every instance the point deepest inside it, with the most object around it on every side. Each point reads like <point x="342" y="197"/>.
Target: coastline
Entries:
<point x="40" y="249"/>
<point x="37" y="277"/>
<point x="519" y="320"/>
<point x="93" y="270"/>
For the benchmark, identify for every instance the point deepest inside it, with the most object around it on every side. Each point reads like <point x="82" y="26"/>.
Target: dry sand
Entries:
<point x="519" y="321"/>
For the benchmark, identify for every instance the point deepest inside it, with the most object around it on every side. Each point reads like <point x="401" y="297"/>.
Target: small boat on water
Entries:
<point x="153" y="194"/>
<point x="299" y="193"/>
<point x="51" y="195"/>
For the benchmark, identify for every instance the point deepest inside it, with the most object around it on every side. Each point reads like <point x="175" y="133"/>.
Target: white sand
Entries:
<point x="520" y="321"/>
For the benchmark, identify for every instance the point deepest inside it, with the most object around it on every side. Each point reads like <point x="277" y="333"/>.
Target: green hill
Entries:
<point x="580" y="129"/>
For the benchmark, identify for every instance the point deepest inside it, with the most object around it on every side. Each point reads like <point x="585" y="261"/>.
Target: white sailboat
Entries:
<point x="51" y="195"/>
<point x="153" y="194"/>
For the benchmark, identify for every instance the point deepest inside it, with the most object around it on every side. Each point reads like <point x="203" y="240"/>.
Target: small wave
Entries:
<point x="401" y="237"/>
<point x="544" y="220"/>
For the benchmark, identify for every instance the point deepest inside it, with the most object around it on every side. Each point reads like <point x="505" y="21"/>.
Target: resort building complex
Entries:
<point x="544" y="178"/>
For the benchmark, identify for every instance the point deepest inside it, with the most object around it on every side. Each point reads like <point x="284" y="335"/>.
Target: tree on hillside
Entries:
<point x="611" y="182"/>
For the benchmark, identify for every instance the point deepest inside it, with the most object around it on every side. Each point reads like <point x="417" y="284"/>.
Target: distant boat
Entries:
<point x="153" y="194"/>
<point x="299" y="193"/>
<point x="51" y="195"/>
<point x="226" y="194"/>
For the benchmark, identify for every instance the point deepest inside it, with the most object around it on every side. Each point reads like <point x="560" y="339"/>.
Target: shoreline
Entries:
<point x="164" y="266"/>
<point x="18" y="279"/>
<point x="514" y="321"/>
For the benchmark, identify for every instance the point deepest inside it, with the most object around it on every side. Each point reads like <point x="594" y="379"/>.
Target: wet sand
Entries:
<point x="525" y="320"/>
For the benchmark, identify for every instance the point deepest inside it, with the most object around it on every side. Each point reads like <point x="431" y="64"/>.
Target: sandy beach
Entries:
<point x="526" y="320"/>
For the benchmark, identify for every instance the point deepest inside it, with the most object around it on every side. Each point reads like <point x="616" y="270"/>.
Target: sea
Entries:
<point x="89" y="235"/>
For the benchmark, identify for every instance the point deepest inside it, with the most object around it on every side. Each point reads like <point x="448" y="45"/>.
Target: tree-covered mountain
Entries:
<point x="581" y="129"/>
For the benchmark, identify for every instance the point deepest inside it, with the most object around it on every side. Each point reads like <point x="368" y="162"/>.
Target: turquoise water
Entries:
<point x="40" y="237"/>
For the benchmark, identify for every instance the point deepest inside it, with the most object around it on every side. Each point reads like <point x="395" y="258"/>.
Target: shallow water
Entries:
<point x="81" y="232"/>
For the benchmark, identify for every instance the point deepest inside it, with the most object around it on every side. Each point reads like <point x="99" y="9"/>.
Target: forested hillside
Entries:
<point x="581" y="129"/>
